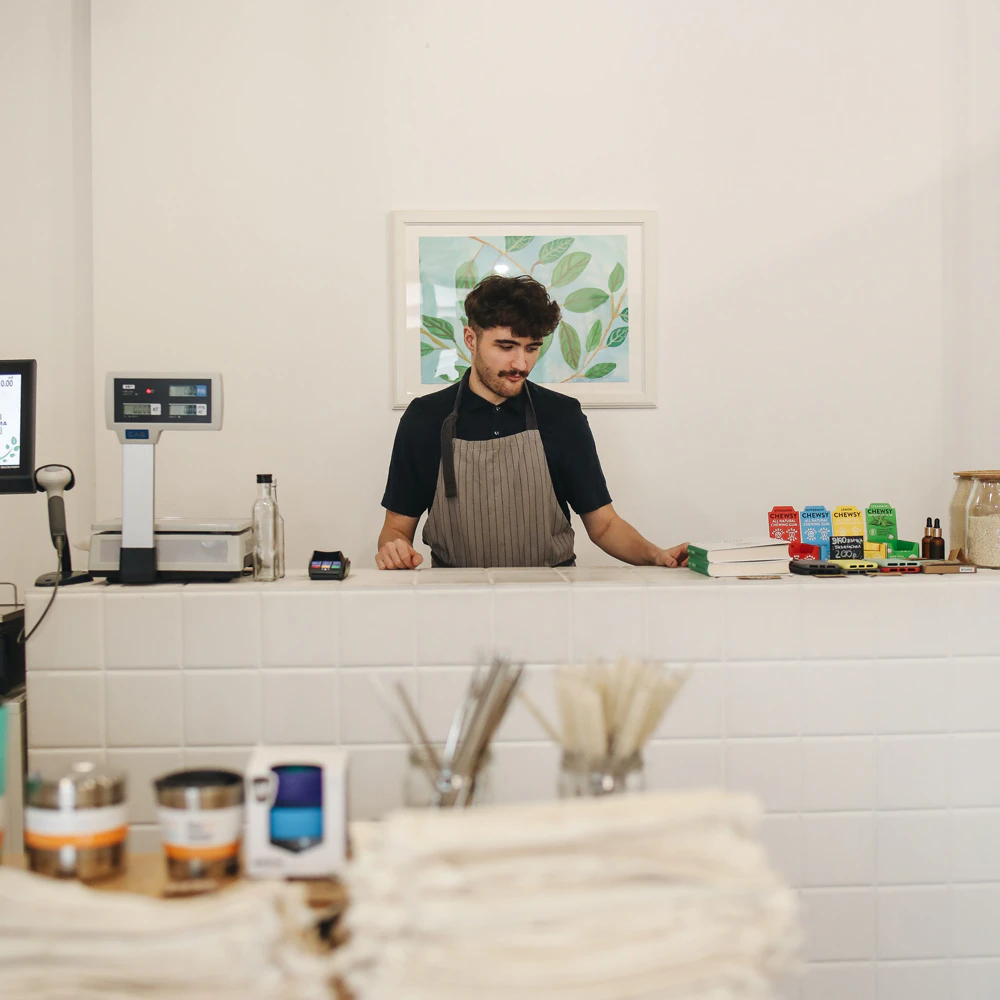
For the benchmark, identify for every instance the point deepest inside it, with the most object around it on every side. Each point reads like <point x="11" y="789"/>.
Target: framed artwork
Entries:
<point x="599" y="266"/>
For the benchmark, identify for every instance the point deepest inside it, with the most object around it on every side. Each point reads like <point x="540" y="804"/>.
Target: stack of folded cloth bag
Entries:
<point x="665" y="896"/>
<point x="63" y="941"/>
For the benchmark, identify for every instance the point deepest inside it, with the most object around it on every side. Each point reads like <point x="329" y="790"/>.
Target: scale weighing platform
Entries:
<point x="141" y="548"/>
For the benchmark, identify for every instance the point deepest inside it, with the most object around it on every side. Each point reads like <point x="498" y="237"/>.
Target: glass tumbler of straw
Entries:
<point x="419" y="782"/>
<point x="581" y="776"/>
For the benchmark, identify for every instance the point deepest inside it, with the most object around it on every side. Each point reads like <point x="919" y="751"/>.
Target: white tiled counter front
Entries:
<point x="864" y="713"/>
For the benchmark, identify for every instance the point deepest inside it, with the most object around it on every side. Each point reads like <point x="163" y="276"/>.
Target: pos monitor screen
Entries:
<point x="17" y="426"/>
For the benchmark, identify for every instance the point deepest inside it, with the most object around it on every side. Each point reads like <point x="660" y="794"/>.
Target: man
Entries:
<point x="499" y="462"/>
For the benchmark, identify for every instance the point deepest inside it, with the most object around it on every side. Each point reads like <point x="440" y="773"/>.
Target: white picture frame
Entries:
<point x="619" y="379"/>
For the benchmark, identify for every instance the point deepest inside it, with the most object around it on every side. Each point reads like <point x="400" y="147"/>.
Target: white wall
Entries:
<point x="246" y="156"/>
<point x="45" y="258"/>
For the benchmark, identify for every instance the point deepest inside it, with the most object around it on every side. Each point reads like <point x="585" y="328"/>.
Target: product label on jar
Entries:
<point x="816" y="528"/>
<point x="848" y="520"/>
<point x="50" y="829"/>
<point x="783" y="523"/>
<point x="201" y="834"/>
<point x="881" y="521"/>
<point x="847" y="547"/>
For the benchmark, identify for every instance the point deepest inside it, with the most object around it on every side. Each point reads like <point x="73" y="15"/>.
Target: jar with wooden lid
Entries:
<point x="956" y="510"/>
<point x="982" y="522"/>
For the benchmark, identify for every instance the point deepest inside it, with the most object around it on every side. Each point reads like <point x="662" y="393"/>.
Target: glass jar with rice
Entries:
<point x="956" y="512"/>
<point x="982" y="522"/>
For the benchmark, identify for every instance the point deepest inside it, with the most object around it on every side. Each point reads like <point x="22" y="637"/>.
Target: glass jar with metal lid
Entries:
<point x="982" y="521"/>
<point x="75" y="825"/>
<point x="960" y="501"/>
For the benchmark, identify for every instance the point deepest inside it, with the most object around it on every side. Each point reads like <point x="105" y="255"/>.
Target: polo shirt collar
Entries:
<point x="474" y="403"/>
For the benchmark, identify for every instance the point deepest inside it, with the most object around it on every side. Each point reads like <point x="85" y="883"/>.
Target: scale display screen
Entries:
<point x="138" y="409"/>
<point x="187" y="410"/>
<point x="10" y="420"/>
<point x="187" y="390"/>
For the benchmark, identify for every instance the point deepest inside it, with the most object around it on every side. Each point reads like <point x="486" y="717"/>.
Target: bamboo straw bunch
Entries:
<point x="609" y="712"/>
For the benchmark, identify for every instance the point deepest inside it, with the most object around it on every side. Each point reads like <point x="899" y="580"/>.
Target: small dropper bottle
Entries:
<point x="937" y="541"/>
<point x="925" y="542"/>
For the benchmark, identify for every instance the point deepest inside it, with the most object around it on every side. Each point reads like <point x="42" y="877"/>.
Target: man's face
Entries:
<point x="502" y="361"/>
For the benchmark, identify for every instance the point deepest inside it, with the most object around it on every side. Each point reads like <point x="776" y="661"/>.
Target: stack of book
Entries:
<point x="740" y="557"/>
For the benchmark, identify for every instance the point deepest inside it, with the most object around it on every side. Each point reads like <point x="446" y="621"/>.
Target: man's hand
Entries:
<point x="677" y="556"/>
<point x="398" y="554"/>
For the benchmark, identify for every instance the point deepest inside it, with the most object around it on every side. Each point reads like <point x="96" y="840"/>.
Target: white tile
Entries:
<point x="72" y="633"/>
<point x="914" y="981"/>
<point x="142" y="630"/>
<point x="974" y="770"/>
<point x="973" y="605"/>
<point x="144" y="839"/>
<point x="441" y="693"/>
<point x="525" y="773"/>
<point x="770" y="769"/>
<point x="911" y="617"/>
<point x="532" y="623"/>
<point x="762" y="699"/>
<point x="839" y="981"/>
<point x="378" y="629"/>
<point x="913" y="695"/>
<point x="700" y="706"/>
<point x="363" y="718"/>
<point x="608" y="621"/>
<point x="143" y="767"/>
<point x="538" y="684"/>
<point x="782" y="839"/>
<point x="913" y="772"/>
<point x="838" y="849"/>
<point x="65" y="709"/>
<point x="299" y="630"/>
<point x="601" y="576"/>
<point x="913" y="923"/>
<point x="685" y="623"/>
<point x="976" y="918"/>
<point x="454" y="626"/>
<point x="975" y="979"/>
<point x="377" y="579"/>
<point x="912" y="848"/>
<point x="672" y="765"/>
<point x="222" y="707"/>
<point x="375" y="781"/>
<point x="838" y="698"/>
<point x="465" y="577"/>
<point x="762" y="621"/>
<point x="838" y="924"/>
<point x="838" y="619"/>
<point x="227" y="758"/>
<point x="975" y="846"/>
<point x="143" y="709"/>
<point x="300" y="706"/>
<point x="975" y="695"/>
<point x="221" y="629"/>
<point x="838" y="774"/>
<point x="541" y="576"/>
<point x="55" y="763"/>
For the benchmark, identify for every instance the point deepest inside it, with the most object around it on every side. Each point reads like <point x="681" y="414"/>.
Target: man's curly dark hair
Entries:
<point x="520" y="303"/>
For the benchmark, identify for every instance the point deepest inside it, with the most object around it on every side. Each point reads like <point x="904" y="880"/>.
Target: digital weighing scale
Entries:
<point x="141" y="548"/>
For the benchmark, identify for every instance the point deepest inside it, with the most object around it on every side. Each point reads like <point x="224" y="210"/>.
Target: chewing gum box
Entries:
<point x="783" y="523"/>
<point x="816" y="528"/>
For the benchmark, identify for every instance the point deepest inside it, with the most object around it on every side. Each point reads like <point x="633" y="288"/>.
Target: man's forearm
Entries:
<point x="620" y="540"/>
<point x="389" y="534"/>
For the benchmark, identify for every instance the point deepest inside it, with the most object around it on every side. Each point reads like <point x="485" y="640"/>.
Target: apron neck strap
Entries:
<point x="450" y="425"/>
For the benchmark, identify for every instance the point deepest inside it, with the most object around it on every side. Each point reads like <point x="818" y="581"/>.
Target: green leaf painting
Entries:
<point x="512" y="243"/>
<point x="553" y="250"/>
<point x="569" y="344"/>
<point x="585" y="300"/>
<point x="466" y="276"/>
<point x="438" y="327"/>
<point x="586" y="275"/>
<point x="618" y="336"/>
<point x="570" y="268"/>
<point x="594" y="337"/>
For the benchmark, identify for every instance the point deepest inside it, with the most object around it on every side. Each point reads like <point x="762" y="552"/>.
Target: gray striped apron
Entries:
<point x="494" y="504"/>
